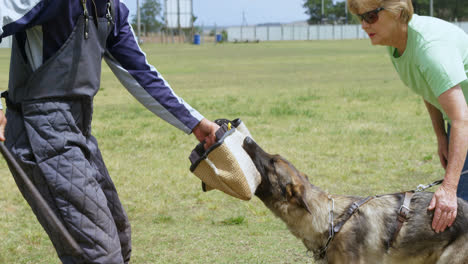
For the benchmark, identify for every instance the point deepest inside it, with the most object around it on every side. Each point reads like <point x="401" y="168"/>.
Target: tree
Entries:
<point x="449" y="10"/>
<point x="314" y="10"/>
<point x="150" y="15"/>
<point x="334" y="12"/>
<point x="338" y="11"/>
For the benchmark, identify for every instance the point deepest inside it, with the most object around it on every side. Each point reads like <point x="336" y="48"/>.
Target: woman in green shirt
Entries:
<point x="431" y="58"/>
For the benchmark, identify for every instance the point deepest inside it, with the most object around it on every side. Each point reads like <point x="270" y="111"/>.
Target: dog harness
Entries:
<point x="402" y="216"/>
<point x="403" y="212"/>
<point x="335" y="228"/>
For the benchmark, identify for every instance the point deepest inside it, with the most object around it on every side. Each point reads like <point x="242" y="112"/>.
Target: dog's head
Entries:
<point x="281" y="181"/>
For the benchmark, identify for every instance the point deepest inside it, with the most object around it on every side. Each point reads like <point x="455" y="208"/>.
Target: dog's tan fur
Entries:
<point x="365" y="237"/>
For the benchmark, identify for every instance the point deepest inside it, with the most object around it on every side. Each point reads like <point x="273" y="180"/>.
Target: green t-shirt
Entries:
<point x="435" y="58"/>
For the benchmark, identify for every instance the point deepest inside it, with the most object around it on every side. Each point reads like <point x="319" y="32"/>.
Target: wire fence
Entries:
<point x="294" y="32"/>
<point x="264" y="33"/>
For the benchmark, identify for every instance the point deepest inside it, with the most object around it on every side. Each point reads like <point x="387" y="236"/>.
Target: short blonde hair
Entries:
<point x="404" y="8"/>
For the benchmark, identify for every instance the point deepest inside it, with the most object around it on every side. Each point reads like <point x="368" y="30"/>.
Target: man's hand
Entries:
<point x="3" y="122"/>
<point x="445" y="204"/>
<point x="205" y="132"/>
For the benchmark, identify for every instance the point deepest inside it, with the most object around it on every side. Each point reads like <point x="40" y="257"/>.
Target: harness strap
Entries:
<point x="334" y="229"/>
<point x="403" y="212"/>
<point x="109" y="13"/>
<point x="86" y="18"/>
<point x="402" y="215"/>
<point x="351" y="210"/>
<point x="95" y="14"/>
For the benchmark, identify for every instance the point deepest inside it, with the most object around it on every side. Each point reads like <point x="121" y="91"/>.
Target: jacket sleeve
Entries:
<point x="17" y="16"/>
<point x="128" y="62"/>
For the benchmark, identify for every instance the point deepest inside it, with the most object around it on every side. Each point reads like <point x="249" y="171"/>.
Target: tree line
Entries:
<point x="335" y="12"/>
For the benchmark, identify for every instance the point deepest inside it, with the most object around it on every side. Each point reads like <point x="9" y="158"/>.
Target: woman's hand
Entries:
<point x="445" y="204"/>
<point x="205" y="132"/>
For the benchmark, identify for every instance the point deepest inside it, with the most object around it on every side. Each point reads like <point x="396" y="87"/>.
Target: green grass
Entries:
<point x="335" y="109"/>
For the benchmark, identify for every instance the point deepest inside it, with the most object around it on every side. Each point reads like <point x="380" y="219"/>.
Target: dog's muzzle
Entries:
<point x="225" y="165"/>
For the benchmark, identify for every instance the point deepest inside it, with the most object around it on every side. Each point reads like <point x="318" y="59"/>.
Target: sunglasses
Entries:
<point x="371" y="16"/>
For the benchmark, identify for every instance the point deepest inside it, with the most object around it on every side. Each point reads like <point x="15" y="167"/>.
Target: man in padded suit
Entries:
<point x="55" y="72"/>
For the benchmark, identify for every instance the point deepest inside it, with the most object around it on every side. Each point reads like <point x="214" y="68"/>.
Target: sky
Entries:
<point x="229" y="12"/>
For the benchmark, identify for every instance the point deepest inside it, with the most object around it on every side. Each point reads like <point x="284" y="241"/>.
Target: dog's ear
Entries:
<point x="296" y="194"/>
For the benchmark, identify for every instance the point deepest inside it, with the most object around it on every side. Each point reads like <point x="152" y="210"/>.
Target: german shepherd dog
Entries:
<point x="368" y="236"/>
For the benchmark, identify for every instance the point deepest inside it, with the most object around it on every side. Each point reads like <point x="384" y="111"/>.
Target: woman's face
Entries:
<point x="382" y="31"/>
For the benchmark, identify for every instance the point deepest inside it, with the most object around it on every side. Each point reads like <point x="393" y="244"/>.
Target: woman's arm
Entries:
<point x="444" y="200"/>
<point x="438" y="124"/>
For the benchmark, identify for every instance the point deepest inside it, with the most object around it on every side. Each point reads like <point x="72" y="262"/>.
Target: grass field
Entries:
<point x="335" y="109"/>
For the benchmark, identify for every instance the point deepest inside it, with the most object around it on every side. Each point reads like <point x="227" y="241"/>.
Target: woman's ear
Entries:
<point x="399" y="16"/>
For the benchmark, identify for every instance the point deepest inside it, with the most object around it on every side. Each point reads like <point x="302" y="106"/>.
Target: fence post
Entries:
<point x="333" y="32"/>
<point x="293" y="32"/>
<point x="342" y="31"/>
<point x="241" y="33"/>
<point x="268" y="33"/>
<point x="318" y="31"/>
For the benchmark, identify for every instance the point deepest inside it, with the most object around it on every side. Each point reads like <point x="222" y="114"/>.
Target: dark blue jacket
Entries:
<point x="42" y="26"/>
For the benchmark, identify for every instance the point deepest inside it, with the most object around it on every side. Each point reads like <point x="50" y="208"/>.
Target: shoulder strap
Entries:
<point x="351" y="210"/>
<point x="402" y="215"/>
